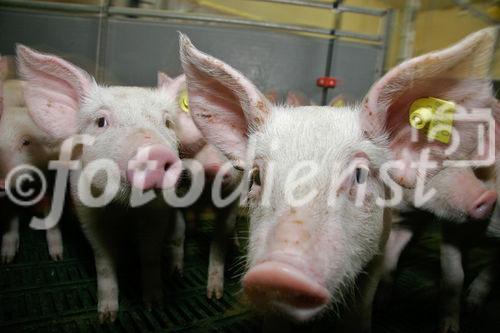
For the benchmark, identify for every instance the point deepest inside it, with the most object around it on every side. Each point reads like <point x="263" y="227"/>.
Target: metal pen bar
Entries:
<point x="312" y="4"/>
<point x="52" y="6"/>
<point x="102" y="40"/>
<point x="183" y="16"/>
<point x="385" y="44"/>
<point x="356" y="35"/>
<point x="242" y="22"/>
<point x="329" y="54"/>
<point x="323" y="5"/>
<point x="363" y="11"/>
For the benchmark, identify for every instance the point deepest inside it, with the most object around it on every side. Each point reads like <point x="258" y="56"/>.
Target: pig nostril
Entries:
<point x="167" y="166"/>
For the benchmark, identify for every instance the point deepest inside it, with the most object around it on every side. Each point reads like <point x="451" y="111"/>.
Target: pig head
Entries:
<point x="458" y="74"/>
<point x="131" y="126"/>
<point x="302" y="257"/>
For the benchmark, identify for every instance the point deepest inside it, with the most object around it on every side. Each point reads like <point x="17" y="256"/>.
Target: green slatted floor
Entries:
<point x="38" y="295"/>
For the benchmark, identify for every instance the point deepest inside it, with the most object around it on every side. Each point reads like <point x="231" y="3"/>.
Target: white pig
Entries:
<point x="193" y="145"/>
<point x="303" y="258"/>
<point x="463" y="194"/>
<point x="131" y="128"/>
<point x="22" y="142"/>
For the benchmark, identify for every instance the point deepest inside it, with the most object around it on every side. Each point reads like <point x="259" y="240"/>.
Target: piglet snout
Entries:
<point x="483" y="207"/>
<point x="155" y="166"/>
<point x="286" y="288"/>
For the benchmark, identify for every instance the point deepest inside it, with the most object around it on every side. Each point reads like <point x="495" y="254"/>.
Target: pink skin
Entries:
<point x="285" y="278"/>
<point x="279" y="284"/>
<point x="163" y="173"/>
<point x="478" y="201"/>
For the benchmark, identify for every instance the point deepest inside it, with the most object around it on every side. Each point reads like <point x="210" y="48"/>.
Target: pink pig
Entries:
<point x="193" y="145"/>
<point x="464" y="194"/>
<point x="21" y="142"/>
<point x="129" y="130"/>
<point x="303" y="258"/>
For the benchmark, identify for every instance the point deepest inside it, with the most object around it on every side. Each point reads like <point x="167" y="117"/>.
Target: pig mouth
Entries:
<point x="285" y="288"/>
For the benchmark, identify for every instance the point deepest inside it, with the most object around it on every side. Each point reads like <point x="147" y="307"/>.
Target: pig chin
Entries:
<point x="285" y="284"/>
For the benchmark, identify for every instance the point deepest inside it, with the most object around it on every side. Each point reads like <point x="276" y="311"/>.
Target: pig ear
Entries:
<point x="458" y="73"/>
<point x="54" y="90"/>
<point x="163" y="79"/>
<point x="296" y="98"/>
<point x="224" y="104"/>
<point x="172" y="85"/>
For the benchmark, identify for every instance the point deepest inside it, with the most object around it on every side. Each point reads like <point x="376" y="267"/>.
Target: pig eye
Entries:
<point x="101" y="122"/>
<point x="361" y="174"/>
<point x="168" y="123"/>
<point x="25" y="142"/>
<point x="255" y="177"/>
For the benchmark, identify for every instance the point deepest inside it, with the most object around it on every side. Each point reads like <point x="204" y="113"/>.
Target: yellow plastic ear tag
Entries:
<point x="434" y="116"/>
<point x="183" y="101"/>
<point x="338" y="103"/>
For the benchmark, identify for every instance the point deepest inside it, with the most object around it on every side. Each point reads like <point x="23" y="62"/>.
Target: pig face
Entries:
<point x="301" y="256"/>
<point x="190" y="138"/>
<point x="22" y="142"/>
<point x="304" y="257"/>
<point x="131" y="126"/>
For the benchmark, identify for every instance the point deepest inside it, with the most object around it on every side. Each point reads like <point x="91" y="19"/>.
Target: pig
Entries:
<point x="130" y="128"/>
<point x="22" y="142"/>
<point x="299" y="259"/>
<point x="302" y="259"/>
<point x="464" y="195"/>
<point x="193" y="146"/>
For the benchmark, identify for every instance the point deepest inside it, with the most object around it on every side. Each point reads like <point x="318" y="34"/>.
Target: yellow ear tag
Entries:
<point x="434" y="116"/>
<point x="183" y="101"/>
<point x="338" y="103"/>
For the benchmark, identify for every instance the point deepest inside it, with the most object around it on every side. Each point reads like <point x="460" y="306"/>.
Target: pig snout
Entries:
<point x="285" y="287"/>
<point x="483" y="207"/>
<point x="154" y="166"/>
<point x="285" y="280"/>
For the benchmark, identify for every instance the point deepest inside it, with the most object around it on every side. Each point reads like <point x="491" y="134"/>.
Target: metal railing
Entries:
<point x="104" y="10"/>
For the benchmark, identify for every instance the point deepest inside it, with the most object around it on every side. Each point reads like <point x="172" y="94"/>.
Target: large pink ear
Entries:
<point x="224" y="104"/>
<point x="458" y="74"/>
<point x="54" y="90"/>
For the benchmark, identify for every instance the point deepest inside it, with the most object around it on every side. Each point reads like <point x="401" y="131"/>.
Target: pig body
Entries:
<point x="193" y="146"/>
<point x="302" y="258"/>
<point x="21" y="142"/>
<point x="130" y="131"/>
<point x="463" y="194"/>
